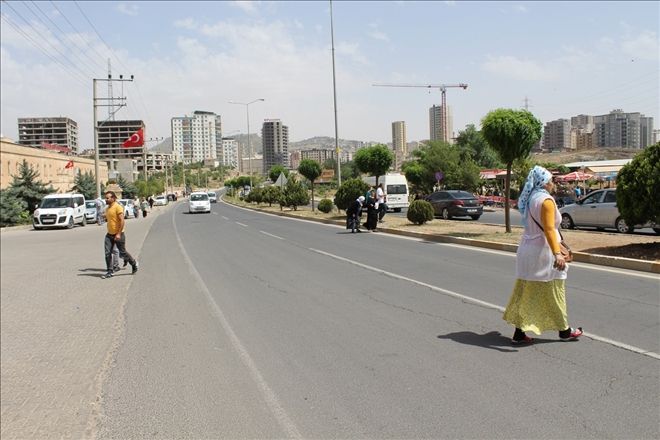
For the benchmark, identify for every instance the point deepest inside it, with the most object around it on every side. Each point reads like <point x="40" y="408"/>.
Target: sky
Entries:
<point x="565" y="58"/>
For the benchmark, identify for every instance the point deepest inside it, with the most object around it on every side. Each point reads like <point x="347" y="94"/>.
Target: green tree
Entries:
<point x="275" y="172"/>
<point x="472" y="141"/>
<point x="349" y="170"/>
<point x="27" y="187"/>
<point x="638" y="186"/>
<point x="13" y="211"/>
<point x="329" y="164"/>
<point x="272" y="194"/>
<point x="420" y="212"/>
<point x="294" y="194"/>
<point x="349" y="191"/>
<point x="374" y="161"/>
<point x="512" y="134"/>
<point x="311" y="170"/>
<point x="129" y="190"/>
<point x="85" y="184"/>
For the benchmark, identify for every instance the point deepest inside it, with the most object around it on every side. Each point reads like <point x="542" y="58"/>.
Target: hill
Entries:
<point x="586" y="155"/>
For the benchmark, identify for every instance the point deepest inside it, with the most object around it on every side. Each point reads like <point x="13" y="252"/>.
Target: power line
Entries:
<point x="78" y="33"/>
<point x="35" y="44"/>
<point x="64" y="44"/>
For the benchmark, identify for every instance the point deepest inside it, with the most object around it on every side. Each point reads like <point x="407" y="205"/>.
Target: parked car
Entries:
<point x="60" y="211"/>
<point x="199" y="202"/>
<point x="213" y="197"/>
<point x="598" y="209"/>
<point x="160" y="200"/>
<point x="129" y="212"/>
<point x="90" y="211"/>
<point x="455" y="203"/>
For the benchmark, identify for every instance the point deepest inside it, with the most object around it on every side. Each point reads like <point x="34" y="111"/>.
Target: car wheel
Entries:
<point x="567" y="222"/>
<point x="445" y="214"/>
<point x="84" y="222"/>
<point x="397" y="209"/>
<point x="657" y="231"/>
<point x="70" y="225"/>
<point x="475" y="217"/>
<point x="622" y="226"/>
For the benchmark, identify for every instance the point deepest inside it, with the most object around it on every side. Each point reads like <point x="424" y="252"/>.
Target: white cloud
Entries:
<point x="247" y="6"/>
<point x="186" y="23"/>
<point x="127" y="9"/>
<point x="378" y="35"/>
<point x="512" y="67"/>
<point x="520" y="8"/>
<point x="644" y="45"/>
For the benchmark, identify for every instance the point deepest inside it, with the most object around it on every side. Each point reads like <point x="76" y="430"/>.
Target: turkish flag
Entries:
<point x="136" y="139"/>
<point x="69" y="164"/>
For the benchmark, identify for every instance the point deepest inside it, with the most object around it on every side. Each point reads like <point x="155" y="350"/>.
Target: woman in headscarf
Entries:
<point x="353" y="214"/>
<point x="372" y="211"/>
<point x="538" y="301"/>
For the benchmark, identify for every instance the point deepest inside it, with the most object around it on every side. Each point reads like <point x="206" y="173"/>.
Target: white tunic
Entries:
<point x="534" y="259"/>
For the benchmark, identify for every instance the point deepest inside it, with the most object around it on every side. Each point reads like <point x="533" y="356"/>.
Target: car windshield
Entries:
<point x="396" y="189"/>
<point x="211" y="194"/>
<point x="57" y="203"/>
<point x="462" y="195"/>
<point x="160" y="198"/>
<point x="90" y="204"/>
<point x="198" y="197"/>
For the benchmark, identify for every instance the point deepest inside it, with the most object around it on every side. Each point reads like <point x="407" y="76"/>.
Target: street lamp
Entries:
<point x="247" y="112"/>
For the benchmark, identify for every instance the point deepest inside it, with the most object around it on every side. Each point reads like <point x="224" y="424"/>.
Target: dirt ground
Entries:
<point x="644" y="247"/>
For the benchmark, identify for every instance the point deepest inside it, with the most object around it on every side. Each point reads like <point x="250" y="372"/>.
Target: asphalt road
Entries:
<point x="245" y="325"/>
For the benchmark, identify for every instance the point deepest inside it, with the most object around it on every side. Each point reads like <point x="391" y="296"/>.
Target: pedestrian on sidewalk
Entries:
<point x="372" y="211"/>
<point x="382" y="199"/>
<point x="145" y="206"/>
<point x="538" y="301"/>
<point x="115" y="235"/>
<point x="353" y="214"/>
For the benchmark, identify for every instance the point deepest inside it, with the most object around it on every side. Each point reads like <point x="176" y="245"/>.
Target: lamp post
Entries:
<point x="247" y="112"/>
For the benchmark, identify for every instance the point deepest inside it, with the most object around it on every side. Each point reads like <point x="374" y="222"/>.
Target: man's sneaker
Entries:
<point x="116" y="269"/>
<point x="107" y="275"/>
<point x="135" y="267"/>
<point x="571" y="334"/>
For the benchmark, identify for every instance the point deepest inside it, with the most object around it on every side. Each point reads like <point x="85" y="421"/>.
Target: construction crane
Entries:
<point x="443" y="90"/>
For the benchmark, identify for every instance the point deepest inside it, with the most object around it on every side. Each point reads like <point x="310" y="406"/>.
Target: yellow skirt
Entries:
<point x="537" y="306"/>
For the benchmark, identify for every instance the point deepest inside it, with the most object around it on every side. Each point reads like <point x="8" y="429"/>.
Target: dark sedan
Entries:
<point x="455" y="203"/>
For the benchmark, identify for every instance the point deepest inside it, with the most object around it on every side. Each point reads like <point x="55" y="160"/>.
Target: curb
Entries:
<point x="581" y="257"/>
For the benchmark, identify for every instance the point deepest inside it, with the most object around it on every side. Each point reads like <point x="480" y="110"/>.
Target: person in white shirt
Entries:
<point x="381" y="198"/>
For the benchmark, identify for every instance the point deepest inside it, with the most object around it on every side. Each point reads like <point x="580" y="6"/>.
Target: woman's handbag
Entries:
<point x="564" y="248"/>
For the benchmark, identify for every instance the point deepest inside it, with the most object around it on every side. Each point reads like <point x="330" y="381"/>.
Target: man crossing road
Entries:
<point x="115" y="236"/>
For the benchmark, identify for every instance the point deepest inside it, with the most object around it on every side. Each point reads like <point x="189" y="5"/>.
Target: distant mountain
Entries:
<point x="325" y="142"/>
<point x="163" y="147"/>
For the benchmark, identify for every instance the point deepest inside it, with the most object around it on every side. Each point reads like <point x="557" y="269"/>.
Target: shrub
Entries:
<point x="294" y="194"/>
<point x="349" y="191"/>
<point x="271" y="195"/>
<point x="325" y="205"/>
<point x="638" y="185"/>
<point x="420" y="212"/>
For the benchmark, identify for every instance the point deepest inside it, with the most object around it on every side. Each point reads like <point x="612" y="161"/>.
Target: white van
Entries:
<point x="396" y="189"/>
<point x="60" y="211"/>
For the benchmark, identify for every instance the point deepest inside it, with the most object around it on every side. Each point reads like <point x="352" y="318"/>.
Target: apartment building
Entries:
<point x="197" y="137"/>
<point x="56" y="134"/>
<point x="435" y="124"/>
<point x="319" y="155"/>
<point x="399" y="144"/>
<point x="623" y="130"/>
<point x="557" y="135"/>
<point x="229" y="156"/>
<point x="111" y="136"/>
<point x="275" y="143"/>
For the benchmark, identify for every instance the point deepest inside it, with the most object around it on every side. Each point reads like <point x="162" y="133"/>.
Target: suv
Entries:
<point x="455" y="203"/>
<point x="213" y="197"/>
<point x="60" y="211"/>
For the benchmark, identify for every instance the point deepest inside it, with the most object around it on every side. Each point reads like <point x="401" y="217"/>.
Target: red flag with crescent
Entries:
<point x="136" y="139"/>
<point x="69" y="164"/>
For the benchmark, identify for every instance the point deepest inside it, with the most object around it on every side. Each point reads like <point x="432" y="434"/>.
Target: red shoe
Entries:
<point x="575" y="333"/>
<point x="525" y="341"/>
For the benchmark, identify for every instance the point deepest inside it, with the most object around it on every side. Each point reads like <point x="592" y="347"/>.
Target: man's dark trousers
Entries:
<point x="121" y="245"/>
<point x="382" y="209"/>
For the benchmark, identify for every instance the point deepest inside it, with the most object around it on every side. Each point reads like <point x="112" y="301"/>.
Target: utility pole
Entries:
<point x="443" y="89"/>
<point x="97" y="125"/>
<point x="334" y="91"/>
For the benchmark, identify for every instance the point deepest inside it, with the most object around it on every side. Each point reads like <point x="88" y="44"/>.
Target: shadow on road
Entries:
<point x="493" y="340"/>
<point x="92" y="269"/>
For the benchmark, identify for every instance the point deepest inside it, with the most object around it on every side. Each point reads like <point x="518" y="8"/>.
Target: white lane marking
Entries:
<point x="225" y="218"/>
<point x="271" y="235"/>
<point x="242" y="224"/>
<point x="478" y="301"/>
<point x="269" y="395"/>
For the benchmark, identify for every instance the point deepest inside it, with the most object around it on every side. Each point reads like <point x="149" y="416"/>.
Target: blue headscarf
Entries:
<point x="536" y="180"/>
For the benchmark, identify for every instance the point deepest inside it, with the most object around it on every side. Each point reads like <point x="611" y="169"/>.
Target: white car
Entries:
<point x="160" y="201"/>
<point x="60" y="211"/>
<point x="213" y="197"/>
<point x="129" y="212"/>
<point x="199" y="202"/>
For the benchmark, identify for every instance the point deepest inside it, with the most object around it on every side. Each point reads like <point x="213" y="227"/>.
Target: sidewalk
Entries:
<point x="60" y="323"/>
